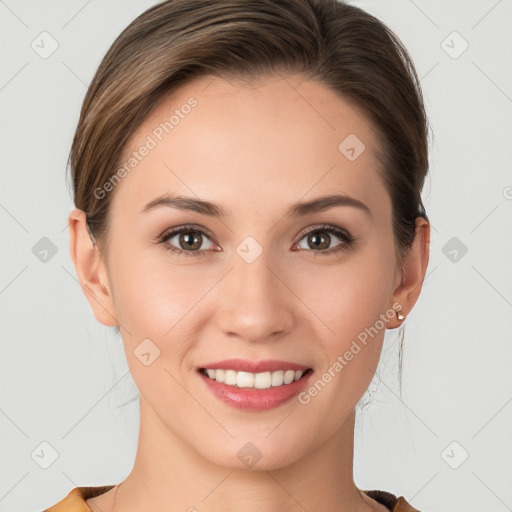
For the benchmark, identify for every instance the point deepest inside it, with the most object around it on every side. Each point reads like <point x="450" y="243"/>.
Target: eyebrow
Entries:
<point x="299" y="209"/>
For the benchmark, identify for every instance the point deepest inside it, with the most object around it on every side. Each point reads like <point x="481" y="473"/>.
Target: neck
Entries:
<point x="170" y="475"/>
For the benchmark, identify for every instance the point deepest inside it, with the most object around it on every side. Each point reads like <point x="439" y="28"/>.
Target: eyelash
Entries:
<point x="348" y="241"/>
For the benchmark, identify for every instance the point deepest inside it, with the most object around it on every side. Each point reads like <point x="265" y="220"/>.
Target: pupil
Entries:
<point x="315" y="238"/>
<point x="190" y="239"/>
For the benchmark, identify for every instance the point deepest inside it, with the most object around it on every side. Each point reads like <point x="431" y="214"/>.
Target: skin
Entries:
<point x="254" y="150"/>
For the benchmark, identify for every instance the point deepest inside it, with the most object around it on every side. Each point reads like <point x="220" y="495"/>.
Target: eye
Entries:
<point x="317" y="239"/>
<point x="189" y="240"/>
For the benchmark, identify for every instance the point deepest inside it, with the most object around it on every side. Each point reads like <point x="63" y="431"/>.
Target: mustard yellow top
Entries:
<point x="75" y="500"/>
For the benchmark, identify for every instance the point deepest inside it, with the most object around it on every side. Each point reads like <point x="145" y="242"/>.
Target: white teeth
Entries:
<point x="245" y="379"/>
<point x="277" y="378"/>
<point x="263" y="380"/>
<point x="289" y="376"/>
<point x="230" y="377"/>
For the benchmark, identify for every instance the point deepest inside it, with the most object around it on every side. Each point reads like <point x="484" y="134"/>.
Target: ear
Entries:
<point x="90" y="269"/>
<point x="415" y="266"/>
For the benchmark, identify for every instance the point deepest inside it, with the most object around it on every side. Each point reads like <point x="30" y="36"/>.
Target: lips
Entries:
<point x="251" y="398"/>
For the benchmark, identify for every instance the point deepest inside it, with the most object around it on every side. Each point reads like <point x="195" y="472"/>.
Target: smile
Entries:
<point x="261" y="380"/>
<point x="254" y="385"/>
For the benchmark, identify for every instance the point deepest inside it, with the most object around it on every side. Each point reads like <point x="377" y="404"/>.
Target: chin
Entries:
<point x="253" y="452"/>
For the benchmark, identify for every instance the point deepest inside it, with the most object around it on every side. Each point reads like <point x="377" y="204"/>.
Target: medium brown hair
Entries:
<point x="175" y="41"/>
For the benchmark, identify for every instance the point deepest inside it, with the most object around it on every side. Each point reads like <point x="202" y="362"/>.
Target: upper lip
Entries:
<point x="244" y="365"/>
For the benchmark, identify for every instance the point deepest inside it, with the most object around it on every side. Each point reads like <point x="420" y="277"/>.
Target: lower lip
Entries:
<point x="255" y="399"/>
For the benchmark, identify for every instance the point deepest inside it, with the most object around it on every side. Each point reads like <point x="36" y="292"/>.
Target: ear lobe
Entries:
<point x="90" y="269"/>
<point x="415" y="266"/>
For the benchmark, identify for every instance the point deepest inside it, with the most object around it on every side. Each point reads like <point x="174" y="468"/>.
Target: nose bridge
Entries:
<point x="255" y="302"/>
<point x="253" y="278"/>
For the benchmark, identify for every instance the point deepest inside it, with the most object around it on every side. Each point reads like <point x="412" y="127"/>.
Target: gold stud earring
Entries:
<point x="400" y="316"/>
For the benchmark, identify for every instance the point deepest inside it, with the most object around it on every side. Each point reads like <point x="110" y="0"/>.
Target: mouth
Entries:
<point x="252" y="380"/>
<point x="254" y="386"/>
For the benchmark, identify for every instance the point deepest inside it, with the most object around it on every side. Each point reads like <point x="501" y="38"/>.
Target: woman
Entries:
<point x="247" y="179"/>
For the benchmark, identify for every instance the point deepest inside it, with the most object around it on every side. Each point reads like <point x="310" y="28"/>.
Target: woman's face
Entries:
<point x="254" y="281"/>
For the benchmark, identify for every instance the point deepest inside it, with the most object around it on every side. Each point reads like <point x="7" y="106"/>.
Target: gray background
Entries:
<point x="63" y="376"/>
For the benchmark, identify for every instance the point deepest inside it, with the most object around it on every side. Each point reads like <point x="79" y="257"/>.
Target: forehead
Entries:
<point x="245" y="145"/>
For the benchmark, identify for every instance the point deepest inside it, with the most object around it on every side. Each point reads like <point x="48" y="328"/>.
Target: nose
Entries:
<point x="256" y="303"/>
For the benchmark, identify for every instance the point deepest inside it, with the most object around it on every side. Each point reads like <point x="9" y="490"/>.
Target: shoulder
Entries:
<point x="390" y="501"/>
<point x="75" y="500"/>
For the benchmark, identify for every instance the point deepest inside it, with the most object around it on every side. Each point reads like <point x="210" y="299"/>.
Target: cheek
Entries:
<point x="348" y="297"/>
<point x="154" y="305"/>
<point x="151" y="295"/>
<point x="356" y="310"/>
